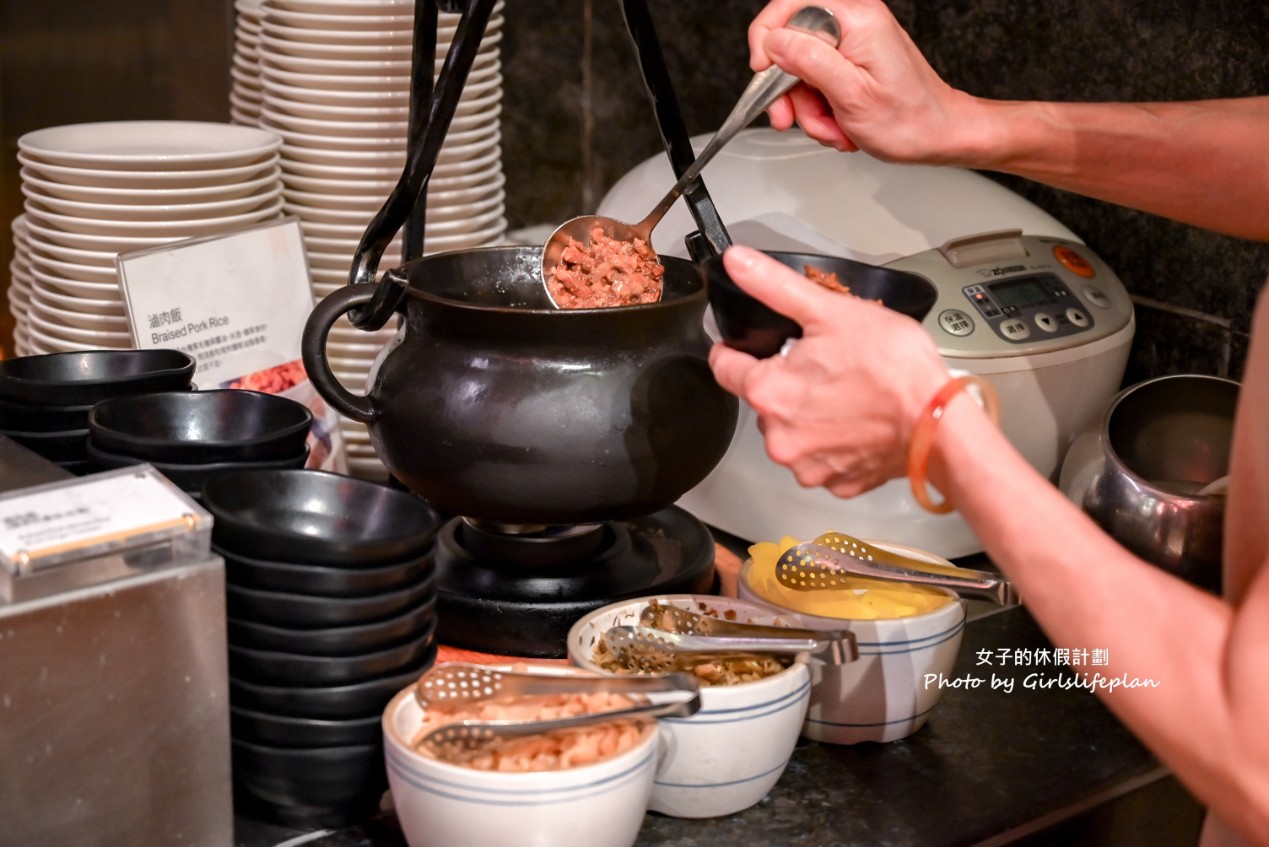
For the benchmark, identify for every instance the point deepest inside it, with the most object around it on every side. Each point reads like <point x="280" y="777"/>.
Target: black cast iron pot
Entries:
<point x="493" y="404"/>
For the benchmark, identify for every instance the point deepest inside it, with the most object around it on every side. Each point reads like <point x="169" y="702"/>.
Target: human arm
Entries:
<point x="1199" y="162"/>
<point x="840" y="410"/>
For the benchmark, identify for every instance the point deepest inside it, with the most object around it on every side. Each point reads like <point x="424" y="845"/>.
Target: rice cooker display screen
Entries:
<point x="1020" y="292"/>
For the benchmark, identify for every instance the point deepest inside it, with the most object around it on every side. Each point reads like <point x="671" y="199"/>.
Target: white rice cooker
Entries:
<point x="1022" y="301"/>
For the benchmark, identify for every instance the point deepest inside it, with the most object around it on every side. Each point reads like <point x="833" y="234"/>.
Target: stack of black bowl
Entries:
<point x="45" y="399"/>
<point x="331" y="599"/>
<point x="190" y="435"/>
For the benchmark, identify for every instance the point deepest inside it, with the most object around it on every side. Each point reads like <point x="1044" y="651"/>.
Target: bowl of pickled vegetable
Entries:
<point x="908" y="637"/>
<point x="728" y="756"/>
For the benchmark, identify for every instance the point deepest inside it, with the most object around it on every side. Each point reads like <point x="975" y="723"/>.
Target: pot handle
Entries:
<point x="313" y="350"/>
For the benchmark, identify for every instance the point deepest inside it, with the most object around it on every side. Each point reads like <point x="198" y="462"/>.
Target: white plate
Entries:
<point x="352" y="173"/>
<point x="383" y="67"/>
<point x="394" y="159"/>
<point x="323" y="128"/>
<point x="43" y="310"/>
<point x="73" y="270"/>
<point x="153" y="212"/>
<point x="470" y="112"/>
<point x="76" y="287"/>
<point x="342" y="7"/>
<point x="275" y="27"/>
<point x="42" y="342"/>
<point x="97" y="243"/>
<point x="357" y="143"/>
<point x="356" y="97"/>
<point x="70" y="303"/>
<point x="78" y="335"/>
<point x="170" y="179"/>
<point x="338" y="112"/>
<point x="149" y="145"/>
<point x="151" y="196"/>
<point x="280" y="45"/>
<point x="356" y="22"/>
<point x="297" y="202"/>
<point x="246" y="82"/>
<point x="95" y="258"/>
<point x="150" y="229"/>
<point x="319" y="185"/>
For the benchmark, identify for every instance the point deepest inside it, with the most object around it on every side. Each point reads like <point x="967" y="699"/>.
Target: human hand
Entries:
<point x="873" y="92"/>
<point x="840" y="407"/>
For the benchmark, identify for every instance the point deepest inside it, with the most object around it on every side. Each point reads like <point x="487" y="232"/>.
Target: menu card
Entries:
<point x="237" y="302"/>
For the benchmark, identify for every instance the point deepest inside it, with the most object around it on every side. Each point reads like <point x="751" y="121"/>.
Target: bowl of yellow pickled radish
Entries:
<point x="908" y="637"/>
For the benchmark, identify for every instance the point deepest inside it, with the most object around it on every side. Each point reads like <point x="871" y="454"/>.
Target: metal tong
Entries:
<point x="667" y="632"/>
<point x="649" y="649"/>
<point x="840" y="644"/>
<point x="826" y="561"/>
<point x="461" y="682"/>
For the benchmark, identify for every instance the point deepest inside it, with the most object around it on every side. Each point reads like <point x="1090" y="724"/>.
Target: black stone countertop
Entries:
<point x="987" y="763"/>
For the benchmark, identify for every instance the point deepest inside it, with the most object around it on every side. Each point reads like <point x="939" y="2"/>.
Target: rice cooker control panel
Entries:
<point x="1005" y="293"/>
<point x="1019" y="305"/>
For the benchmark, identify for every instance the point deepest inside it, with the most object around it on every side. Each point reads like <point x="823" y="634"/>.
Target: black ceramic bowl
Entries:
<point x="188" y="477"/>
<point x="323" y="580"/>
<point x="201" y="427"/>
<point x="293" y="669"/>
<point x="282" y="731"/>
<point x="338" y="702"/>
<point x="317" y="517"/>
<point x="313" y="786"/>
<point x="278" y="608"/>
<point x="29" y="417"/>
<point x="748" y="325"/>
<point x="334" y="641"/>
<point x="70" y="446"/>
<point x="84" y="378"/>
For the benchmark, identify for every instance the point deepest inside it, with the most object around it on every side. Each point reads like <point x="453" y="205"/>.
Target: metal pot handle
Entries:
<point x="313" y="349"/>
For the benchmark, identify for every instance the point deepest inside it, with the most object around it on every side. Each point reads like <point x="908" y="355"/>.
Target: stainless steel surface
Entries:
<point x="1138" y="467"/>
<point x="764" y="89"/>
<point x="825" y="562"/>
<point x="463" y="682"/>
<point x="116" y="719"/>
<point x="23" y="468"/>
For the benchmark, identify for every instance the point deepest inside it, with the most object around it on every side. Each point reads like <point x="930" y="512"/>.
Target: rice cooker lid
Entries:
<point x="1013" y="281"/>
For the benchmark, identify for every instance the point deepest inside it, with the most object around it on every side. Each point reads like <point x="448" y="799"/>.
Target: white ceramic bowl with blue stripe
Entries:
<point x="444" y="805"/>
<point x="727" y="756"/>
<point x="889" y="692"/>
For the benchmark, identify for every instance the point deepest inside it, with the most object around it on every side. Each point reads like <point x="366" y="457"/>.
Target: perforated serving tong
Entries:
<point x="829" y="559"/>
<point x="648" y="649"/>
<point x="462" y="682"/>
<point x="835" y="646"/>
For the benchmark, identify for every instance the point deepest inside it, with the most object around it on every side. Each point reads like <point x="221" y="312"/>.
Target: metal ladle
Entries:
<point x="460" y="682"/>
<point x="827" y="561"/>
<point x="763" y="90"/>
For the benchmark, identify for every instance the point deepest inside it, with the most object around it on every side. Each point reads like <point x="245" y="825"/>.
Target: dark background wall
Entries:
<point x="576" y="117"/>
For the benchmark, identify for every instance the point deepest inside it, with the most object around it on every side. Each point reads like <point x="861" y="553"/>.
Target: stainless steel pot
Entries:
<point x="1138" y="467"/>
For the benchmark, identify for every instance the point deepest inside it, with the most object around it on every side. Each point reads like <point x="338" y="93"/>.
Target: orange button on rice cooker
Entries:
<point x="1074" y="262"/>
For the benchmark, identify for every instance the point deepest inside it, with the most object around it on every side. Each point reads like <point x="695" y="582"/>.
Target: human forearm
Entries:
<point x="1088" y="592"/>
<point x="1202" y="163"/>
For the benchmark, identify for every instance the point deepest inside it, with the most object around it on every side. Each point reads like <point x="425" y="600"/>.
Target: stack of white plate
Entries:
<point x="20" y="285"/>
<point x="99" y="189"/>
<point x="244" y="94"/>
<point x="335" y="78"/>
